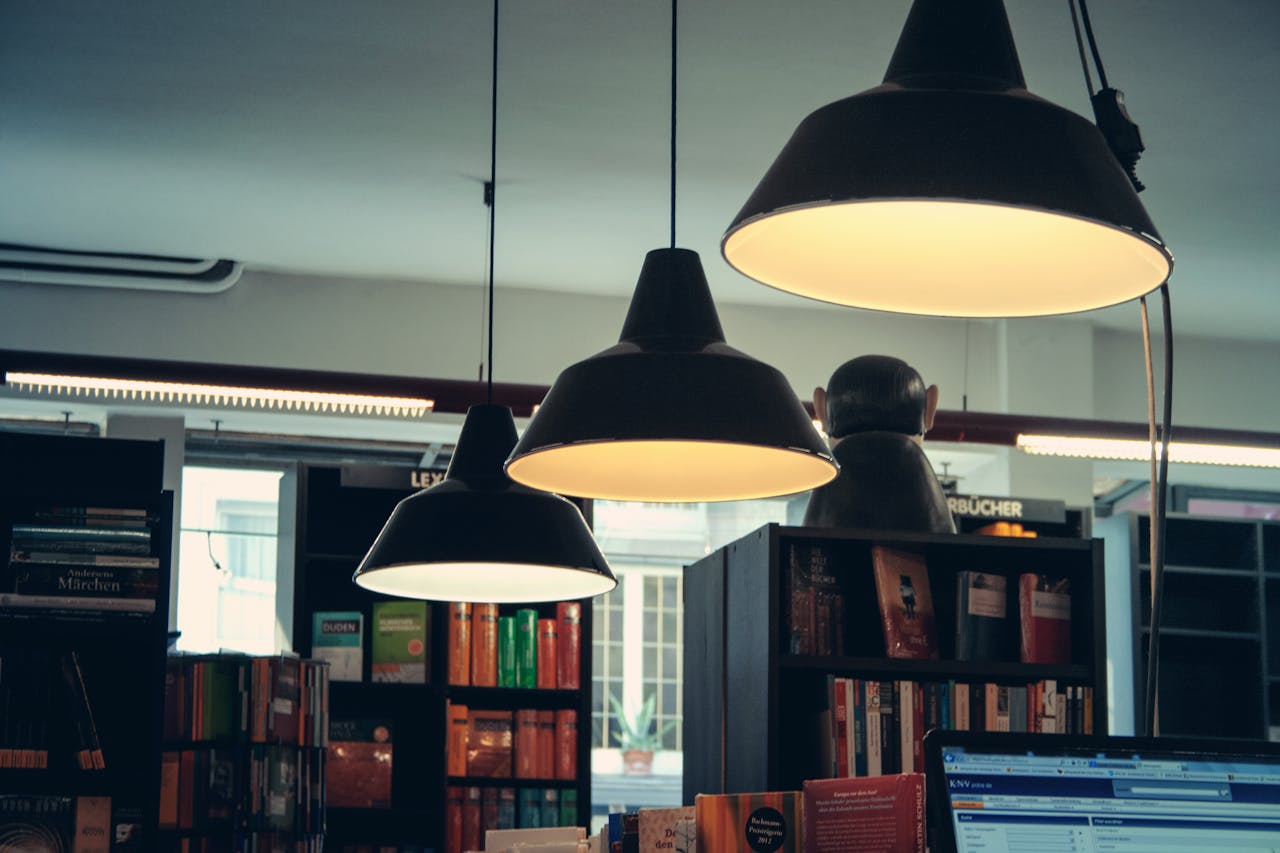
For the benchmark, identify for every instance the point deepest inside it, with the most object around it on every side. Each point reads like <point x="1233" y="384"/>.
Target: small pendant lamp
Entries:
<point x="672" y="412"/>
<point x="950" y="190"/>
<point x="476" y="535"/>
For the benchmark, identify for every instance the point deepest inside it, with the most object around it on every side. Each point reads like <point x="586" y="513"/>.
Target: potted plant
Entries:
<point x="638" y="735"/>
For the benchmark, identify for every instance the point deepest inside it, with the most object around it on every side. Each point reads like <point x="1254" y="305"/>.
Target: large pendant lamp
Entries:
<point x="672" y="412"/>
<point x="950" y="190"/>
<point x="478" y="536"/>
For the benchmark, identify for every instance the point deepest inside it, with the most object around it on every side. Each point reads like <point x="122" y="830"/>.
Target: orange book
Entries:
<point x="566" y="744"/>
<point x="169" y="785"/>
<point x="459" y="642"/>
<point x="547" y="662"/>
<point x="906" y="605"/>
<point x="457" y="740"/>
<point x="484" y="645"/>
<point x="568" y="644"/>
<point x="526" y="744"/>
<point x="546" y="768"/>
<point x="471" y="836"/>
<point x="453" y="801"/>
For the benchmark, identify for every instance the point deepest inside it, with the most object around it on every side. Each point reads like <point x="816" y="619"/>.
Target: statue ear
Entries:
<point x="820" y="408"/>
<point x="930" y="406"/>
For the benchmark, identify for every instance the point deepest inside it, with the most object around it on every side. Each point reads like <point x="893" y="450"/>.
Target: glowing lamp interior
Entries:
<point x="499" y="583"/>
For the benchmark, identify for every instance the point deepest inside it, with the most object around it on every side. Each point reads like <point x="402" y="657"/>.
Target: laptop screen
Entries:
<point x="1084" y="794"/>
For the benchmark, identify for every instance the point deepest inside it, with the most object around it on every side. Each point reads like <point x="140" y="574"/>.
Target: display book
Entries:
<point x="84" y="600"/>
<point x="244" y="766"/>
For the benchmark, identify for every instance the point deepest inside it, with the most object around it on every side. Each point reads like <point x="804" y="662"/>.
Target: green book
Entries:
<point x="336" y="636"/>
<point x="400" y="630"/>
<point x="526" y="648"/>
<point x="568" y="807"/>
<point x="506" y="651"/>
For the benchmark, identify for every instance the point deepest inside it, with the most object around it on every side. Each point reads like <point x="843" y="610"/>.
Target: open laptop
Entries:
<point x="1082" y="793"/>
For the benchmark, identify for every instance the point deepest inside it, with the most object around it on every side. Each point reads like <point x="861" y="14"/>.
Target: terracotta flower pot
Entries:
<point x="637" y="762"/>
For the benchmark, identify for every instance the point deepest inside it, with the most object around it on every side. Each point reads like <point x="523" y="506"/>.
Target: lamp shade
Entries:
<point x="477" y="536"/>
<point x="672" y="412"/>
<point x="950" y="190"/>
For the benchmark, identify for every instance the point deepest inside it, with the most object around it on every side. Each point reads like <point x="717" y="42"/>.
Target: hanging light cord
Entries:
<point x="674" y="18"/>
<point x="1084" y="61"/>
<point x="1093" y="44"/>
<point x="491" y="189"/>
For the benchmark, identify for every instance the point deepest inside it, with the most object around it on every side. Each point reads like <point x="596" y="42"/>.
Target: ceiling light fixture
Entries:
<point x="477" y="535"/>
<point x="672" y="412"/>
<point x="102" y="388"/>
<point x="950" y="190"/>
<point x="1188" y="452"/>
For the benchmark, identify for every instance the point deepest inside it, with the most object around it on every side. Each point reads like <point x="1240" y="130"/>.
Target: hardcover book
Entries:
<point x="981" y="626"/>
<point x="659" y="829"/>
<point x="89" y="581"/>
<point x="906" y="606"/>
<point x="459" y="643"/>
<point x="489" y="743"/>
<point x="484" y="645"/>
<point x="93" y="825"/>
<point x="568" y="652"/>
<point x="526" y="744"/>
<point x="526" y="648"/>
<point x="566" y="744"/>
<point x="880" y="815"/>
<point x="1044" y="605"/>
<point x="815" y="622"/>
<point x="359" y="763"/>
<point x="400" y="630"/>
<point x="741" y="822"/>
<point x="506" y="651"/>
<point x="337" y="637"/>
<point x="546" y="764"/>
<point x="547" y="662"/>
<point x="456" y="743"/>
<point x="42" y="824"/>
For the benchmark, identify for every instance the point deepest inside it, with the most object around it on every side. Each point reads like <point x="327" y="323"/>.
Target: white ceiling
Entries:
<point x="351" y="137"/>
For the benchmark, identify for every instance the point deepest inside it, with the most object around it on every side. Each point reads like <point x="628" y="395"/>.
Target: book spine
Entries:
<point x="889" y="759"/>
<point x="87" y="581"/>
<point x="484" y="645"/>
<point x="1088" y="710"/>
<point x="918" y="729"/>
<point x="546" y="664"/>
<point x="906" y="726"/>
<point x="489" y="809"/>
<point x="89" y="756"/>
<point x="546" y="765"/>
<point x="569" y="651"/>
<point x="875" y="763"/>
<point x="471" y="810"/>
<point x="841" y="716"/>
<point x="69" y="533"/>
<point x="526" y="648"/>
<point x="526" y="744"/>
<point x="456" y="756"/>
<point x="506" y="808"/>
<point x="530" y="816"/>
<point x="459" y="643"/>
<point x="506" y="651"/>
<point x="990" y="708"/>
<point x="550" y="807"/>
<point x="103" y="604"/>
<point x="454" y="799"/>
<point x="961" y="696"/>
<point x="87" y="546"/>
<point x="856" y="698"/>
<point x="59" y="558"/>
<point x="569" y="808"/>
<point x="566" y="744"/>
<point x="800" y="611"/>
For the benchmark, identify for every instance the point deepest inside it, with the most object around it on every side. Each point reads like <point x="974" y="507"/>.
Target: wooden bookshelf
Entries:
<point x="121" y="655"/>
<point x="1218" y="651"/>
<point x="340" y="511"/>
<point x="751" y="707"/>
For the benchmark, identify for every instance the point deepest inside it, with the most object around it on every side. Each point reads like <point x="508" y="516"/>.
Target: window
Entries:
<point x="227" y="564"/>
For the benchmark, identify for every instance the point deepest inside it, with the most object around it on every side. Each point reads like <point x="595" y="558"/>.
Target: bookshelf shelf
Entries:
<point x="1216" y="643"/>
<point x="56" y="518"/>
<point x="753" y="708"/>
<point x="339" y="512"/>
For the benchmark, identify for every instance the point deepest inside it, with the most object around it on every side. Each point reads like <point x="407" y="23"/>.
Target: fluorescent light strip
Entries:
<point x="1194" y="453"/>
<point x="185" y="393"/>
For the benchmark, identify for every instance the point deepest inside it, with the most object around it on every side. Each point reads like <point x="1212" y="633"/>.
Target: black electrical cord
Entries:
<point x="1093" y="44"/>
<point x="674" y="19"/>
<point x="1160" y="513"/>
<point x="491" y="189"/>
<point x="1084" y="62"/>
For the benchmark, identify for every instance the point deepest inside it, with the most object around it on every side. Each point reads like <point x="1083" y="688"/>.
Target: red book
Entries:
<point x="546" y="764"/>
<point x="459" y="642"/>
<point x="1044" y="607"/>
<point x="568" y="644"/>
<point x="526" y="744"/>
<point x="453" y="801"/>
<point x="566" y="744"/>
<point x="842" y="729"/>
<point x="358" y="768"/>
<point x="471" y="810"/>
<point x="906" y="605"/>
<point x="489" y="742"/>
<point x="850" y="816"/>
<point x="548" y="662"/>
<point x="484" y="645"/>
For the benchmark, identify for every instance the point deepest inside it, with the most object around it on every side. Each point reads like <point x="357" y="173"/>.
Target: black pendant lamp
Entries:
<point x="672" y="412"/>
<point x="950" y="190"/>
<point x="478" y="536"/>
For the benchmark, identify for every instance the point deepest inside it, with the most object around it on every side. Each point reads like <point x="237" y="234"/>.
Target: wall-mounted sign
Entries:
<point x="1007" y="509"/>
<point x="389" y="477"/>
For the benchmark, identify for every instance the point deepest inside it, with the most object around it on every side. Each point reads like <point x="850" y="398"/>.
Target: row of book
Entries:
<point x="231" y="697"/>
<point x="400" y="645"/>
<point x="815" y="614"/>
<point x="46" y="717"/>
<point x="227" y="793"/>
<point x="876" y="728"/>
<point x="487" y="649"/>
<point x="83" y="558"/>
<point x="524" y="744"/>
<point x="471" y="812"/>
<point x="62" y="823"/>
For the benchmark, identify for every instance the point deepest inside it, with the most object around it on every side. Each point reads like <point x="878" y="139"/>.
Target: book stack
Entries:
<point x="245" y="763"/>
<point x="83" y="560"/>
<point x="489" y="649"/>
<point x="816" y="605"/>
<point x="47" y="713"/>
<point x="472" y="811"/>
<point x="875" y="728"/>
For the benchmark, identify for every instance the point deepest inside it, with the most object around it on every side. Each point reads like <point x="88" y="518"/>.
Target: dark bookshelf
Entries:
<point x="121" y="655"/>
<point x="1217" y="648"/>
<point x="340" y="511"/>
<point x="751" y="707"/>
